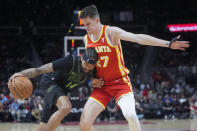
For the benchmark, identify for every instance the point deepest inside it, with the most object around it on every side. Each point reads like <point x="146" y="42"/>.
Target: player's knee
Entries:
<point x="66" y="109"/>
<point x="130" y="115"/>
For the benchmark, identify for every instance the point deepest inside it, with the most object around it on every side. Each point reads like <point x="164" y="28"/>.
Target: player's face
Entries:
<point x="90" y="24"/>
<point x="87" y="67"/>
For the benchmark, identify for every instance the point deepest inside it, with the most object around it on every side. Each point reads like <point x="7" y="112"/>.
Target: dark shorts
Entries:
<point x="52" y="93"/>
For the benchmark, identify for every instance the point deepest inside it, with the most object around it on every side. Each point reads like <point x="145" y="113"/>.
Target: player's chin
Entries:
<point x="86" y="71"/>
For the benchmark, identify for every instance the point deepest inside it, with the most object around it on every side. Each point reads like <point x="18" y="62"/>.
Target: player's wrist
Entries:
<point x="173" y="40"/>
<point x="170" y="44"/>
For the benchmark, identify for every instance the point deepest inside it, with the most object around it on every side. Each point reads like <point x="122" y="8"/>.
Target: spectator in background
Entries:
<point x="176" y="107"/>
<point x="139" y="110"/>
<point x="2" y="113"/>
<point x="159" y="106"/>
<point x="5" y="112"/>
<point x="146" y="107"/>
<point x="167" y="97"/>
<point x="4" y="99"/>
<point x="3" y="87"/>
<point x="145" y="92"/>
<point x="14" y="107"/>
<point x="112" y="110"/>
<point x="37" y="108"/>
<point x="194" y="96"/>
<point x="167" y="109"/>
<point x="184" y="106"/>
<point x="24" y="112"/>
<point x="193" y="108"/>
<point x="152" y="107"/>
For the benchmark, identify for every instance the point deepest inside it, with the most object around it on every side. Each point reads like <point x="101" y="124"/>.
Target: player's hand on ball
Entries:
<point x="20" y="86"/>
<point x="13" y="77"/>
<point x="97" y="82"/>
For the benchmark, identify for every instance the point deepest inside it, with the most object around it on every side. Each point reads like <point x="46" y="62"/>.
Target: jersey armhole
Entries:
<point x="107" y="38"/>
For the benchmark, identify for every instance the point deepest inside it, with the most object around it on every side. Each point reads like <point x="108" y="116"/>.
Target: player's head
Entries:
<point x="90" y="18"/>
<point x="89" y="59"/>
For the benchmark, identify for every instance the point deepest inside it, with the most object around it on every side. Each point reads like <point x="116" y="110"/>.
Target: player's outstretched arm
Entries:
<point x="118" y="33"/>
<point x="34" y="72"/>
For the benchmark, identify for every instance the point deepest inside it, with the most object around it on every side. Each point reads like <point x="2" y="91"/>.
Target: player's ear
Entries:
<point x="97" y="19"/>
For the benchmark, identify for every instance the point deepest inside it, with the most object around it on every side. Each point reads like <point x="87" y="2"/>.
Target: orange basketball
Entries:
<point x="21" y="87"/>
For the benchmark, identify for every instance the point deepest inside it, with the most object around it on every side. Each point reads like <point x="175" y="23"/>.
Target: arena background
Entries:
<point x="32" y="33"/>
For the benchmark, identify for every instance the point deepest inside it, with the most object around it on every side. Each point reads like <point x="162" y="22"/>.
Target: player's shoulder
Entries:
<point x="111" y="29"/>
<point x="66" y="59"/>
<point x="108" y="29"/>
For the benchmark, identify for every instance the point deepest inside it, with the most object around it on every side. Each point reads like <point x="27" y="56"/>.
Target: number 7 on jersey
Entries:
<point x="105" y="59"/>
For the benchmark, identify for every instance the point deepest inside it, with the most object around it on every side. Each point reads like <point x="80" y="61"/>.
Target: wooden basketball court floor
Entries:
<point x="147" y="125"/>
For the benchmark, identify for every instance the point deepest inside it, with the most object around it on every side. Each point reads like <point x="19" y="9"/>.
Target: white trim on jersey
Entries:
<point x="107" y="37"/>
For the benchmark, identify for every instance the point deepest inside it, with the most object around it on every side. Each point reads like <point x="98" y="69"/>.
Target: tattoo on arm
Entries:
<point x="34" y="72"/>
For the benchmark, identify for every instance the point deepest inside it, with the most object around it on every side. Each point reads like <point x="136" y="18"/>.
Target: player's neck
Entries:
<point x="97" y="33"/>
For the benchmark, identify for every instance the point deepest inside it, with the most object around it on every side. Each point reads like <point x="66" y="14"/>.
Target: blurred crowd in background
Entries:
<point x="164" y="83"/>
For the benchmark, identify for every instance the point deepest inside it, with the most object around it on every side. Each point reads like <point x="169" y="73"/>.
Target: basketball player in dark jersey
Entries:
<point x="61" y="77"/>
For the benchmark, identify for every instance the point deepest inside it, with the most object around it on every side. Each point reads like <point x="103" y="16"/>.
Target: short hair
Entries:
<point x="89" y="11"/>
<point x="90" y="56"/>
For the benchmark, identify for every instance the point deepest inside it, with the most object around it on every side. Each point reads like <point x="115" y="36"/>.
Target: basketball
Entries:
<point x="21" y="87"/>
